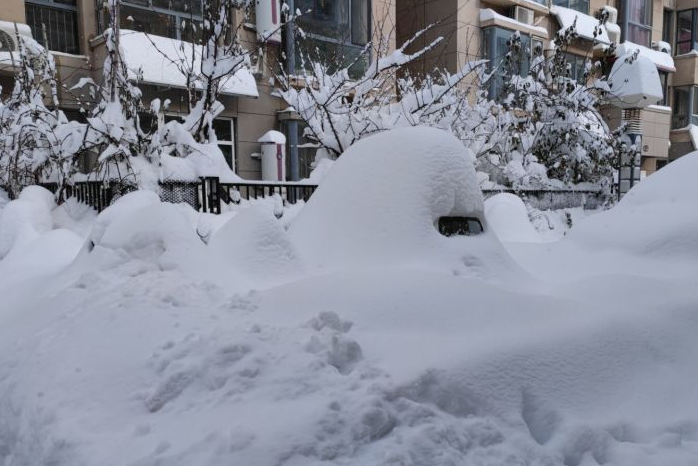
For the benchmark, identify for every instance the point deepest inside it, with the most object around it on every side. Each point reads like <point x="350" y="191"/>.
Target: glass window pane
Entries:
<point x="60" y="25"/>
<point x="684" y="26"/>
<point x="228" y="154"/>
<point x="668" y="26"/>
<point x="640" y="11"/>
<point x="223" y="129"/>
<point x="182" y="6"/>
<point x="360" y="21"/>
<point x="680" y="107"/>
<point x="639" y="34"/>
<point x="138" y="19"/>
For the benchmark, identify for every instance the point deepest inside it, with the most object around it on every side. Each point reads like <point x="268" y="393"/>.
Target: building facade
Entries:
<point x="665" y="31"/>
<point x="72" y="30"/>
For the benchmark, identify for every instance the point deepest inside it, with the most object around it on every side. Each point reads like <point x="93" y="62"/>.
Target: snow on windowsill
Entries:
<point x="659" y="108"/>
<point x="487" y="14"/>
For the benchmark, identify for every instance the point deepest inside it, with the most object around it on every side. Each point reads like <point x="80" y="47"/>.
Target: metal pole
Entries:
<point x="291" y="70"/>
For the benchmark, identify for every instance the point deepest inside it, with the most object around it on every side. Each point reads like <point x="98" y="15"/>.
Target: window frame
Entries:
<point x="229" y="143"/>
<point x="178" y="15"/>
<point x="572" y="3"/>
<point x="494" y="57"/>
<point x="348" y="40"/>
<point x="692" y="41"/>
<point x="681" y="120"/>
<point x="668" y="33"/>
<point x="630" y="23"/>
<point x="340" y="48"/>
<point x="63" y="8"/>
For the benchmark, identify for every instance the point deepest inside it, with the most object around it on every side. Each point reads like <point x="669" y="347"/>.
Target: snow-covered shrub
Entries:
<point x="549" y="129"/>
<point x="340" y="109"/>
<point x="36" y="139"/>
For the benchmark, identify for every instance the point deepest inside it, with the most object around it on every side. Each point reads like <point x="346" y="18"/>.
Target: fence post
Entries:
<point x="214" y="200"/>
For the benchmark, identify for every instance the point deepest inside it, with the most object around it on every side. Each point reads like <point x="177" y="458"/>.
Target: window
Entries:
<point x="577" y="65"/>
<point x="225" y="132"/>
<point x="60" y="20"/>
<point x="639" y="22"/>
<point x="663" y="79"/>
<point x="581" y="6"/>
<point x="176" y="19"/>
<point x="668" y="26"/>
<point x="496" y="47"/>
<point x="685" y="106"/>
<point x="685" y="31"/>
<point x="336" y="31"/>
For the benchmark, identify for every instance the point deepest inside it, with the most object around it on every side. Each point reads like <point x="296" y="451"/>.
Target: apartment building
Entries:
<point x="665" y="31"/>
<point x="72" y="30"/>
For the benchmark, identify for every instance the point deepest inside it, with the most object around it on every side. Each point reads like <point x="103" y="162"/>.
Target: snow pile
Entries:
<point x="384" y="196"/>
<point x="25" y="218"/>
<point x="508" y="217"/>
<point x="124" y="357"/>
<point x="657" y="216"/>
<point x="254" y="243"/>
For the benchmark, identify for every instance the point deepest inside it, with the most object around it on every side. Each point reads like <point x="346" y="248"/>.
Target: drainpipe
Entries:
<point x="290" y="71"/>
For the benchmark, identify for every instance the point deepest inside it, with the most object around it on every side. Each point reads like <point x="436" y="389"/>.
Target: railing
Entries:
<point x="209" y="194"/>
<point x="94" y="193"/>
<point x="213" y="192"/>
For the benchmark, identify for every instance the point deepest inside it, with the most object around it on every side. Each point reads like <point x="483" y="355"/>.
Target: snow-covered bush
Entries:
<point x="36" y="139"/>
<point x="339" y="109"/>
<point x="547" y="126"/>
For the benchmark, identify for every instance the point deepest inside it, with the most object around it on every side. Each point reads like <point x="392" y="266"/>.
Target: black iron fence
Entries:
<point x="94" y="193"/>
<point x="210" y="194"/>
<point x="207" y="195"/>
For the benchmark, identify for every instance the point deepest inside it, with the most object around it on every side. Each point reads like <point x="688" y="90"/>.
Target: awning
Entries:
<point x="585" y="24"/>
<point x="153" y="56"/>
<point x="662" y="60"/>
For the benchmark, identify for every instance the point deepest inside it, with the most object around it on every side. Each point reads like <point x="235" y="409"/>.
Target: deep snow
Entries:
<point x="160" y="336"/>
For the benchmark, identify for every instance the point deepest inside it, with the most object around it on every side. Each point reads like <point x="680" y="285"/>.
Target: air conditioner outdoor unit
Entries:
<point x="661" y="46"/>
<point x="522" y="15"/>
<point x="8" y="35"/>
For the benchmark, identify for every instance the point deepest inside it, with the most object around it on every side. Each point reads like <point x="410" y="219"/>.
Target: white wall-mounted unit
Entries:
<point x="268" y="13"/>
<point x="522" y="15"/>
<point x="8" y="35"/>
<point x="661" y="46"/>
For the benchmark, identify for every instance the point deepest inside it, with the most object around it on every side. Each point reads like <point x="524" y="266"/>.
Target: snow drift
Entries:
<point x="382" y="351"/>
<point x="656" y="217"/>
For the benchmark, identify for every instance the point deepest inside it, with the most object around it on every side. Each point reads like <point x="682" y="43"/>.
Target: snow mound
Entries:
<point x="657" y="216"/>
<point x="384" y="196"/>
<point x="255" y="243"/>
<point x="74" y="216"/>
<point x="508" y="217"/>
<point x="142" y="227"/>
<point x="25" y="218"/>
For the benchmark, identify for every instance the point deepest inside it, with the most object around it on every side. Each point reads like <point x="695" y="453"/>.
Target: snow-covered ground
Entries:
<point x="349" y="332"/>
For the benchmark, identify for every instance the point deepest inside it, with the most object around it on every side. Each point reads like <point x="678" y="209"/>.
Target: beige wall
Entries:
<point x="12" y="10"/>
